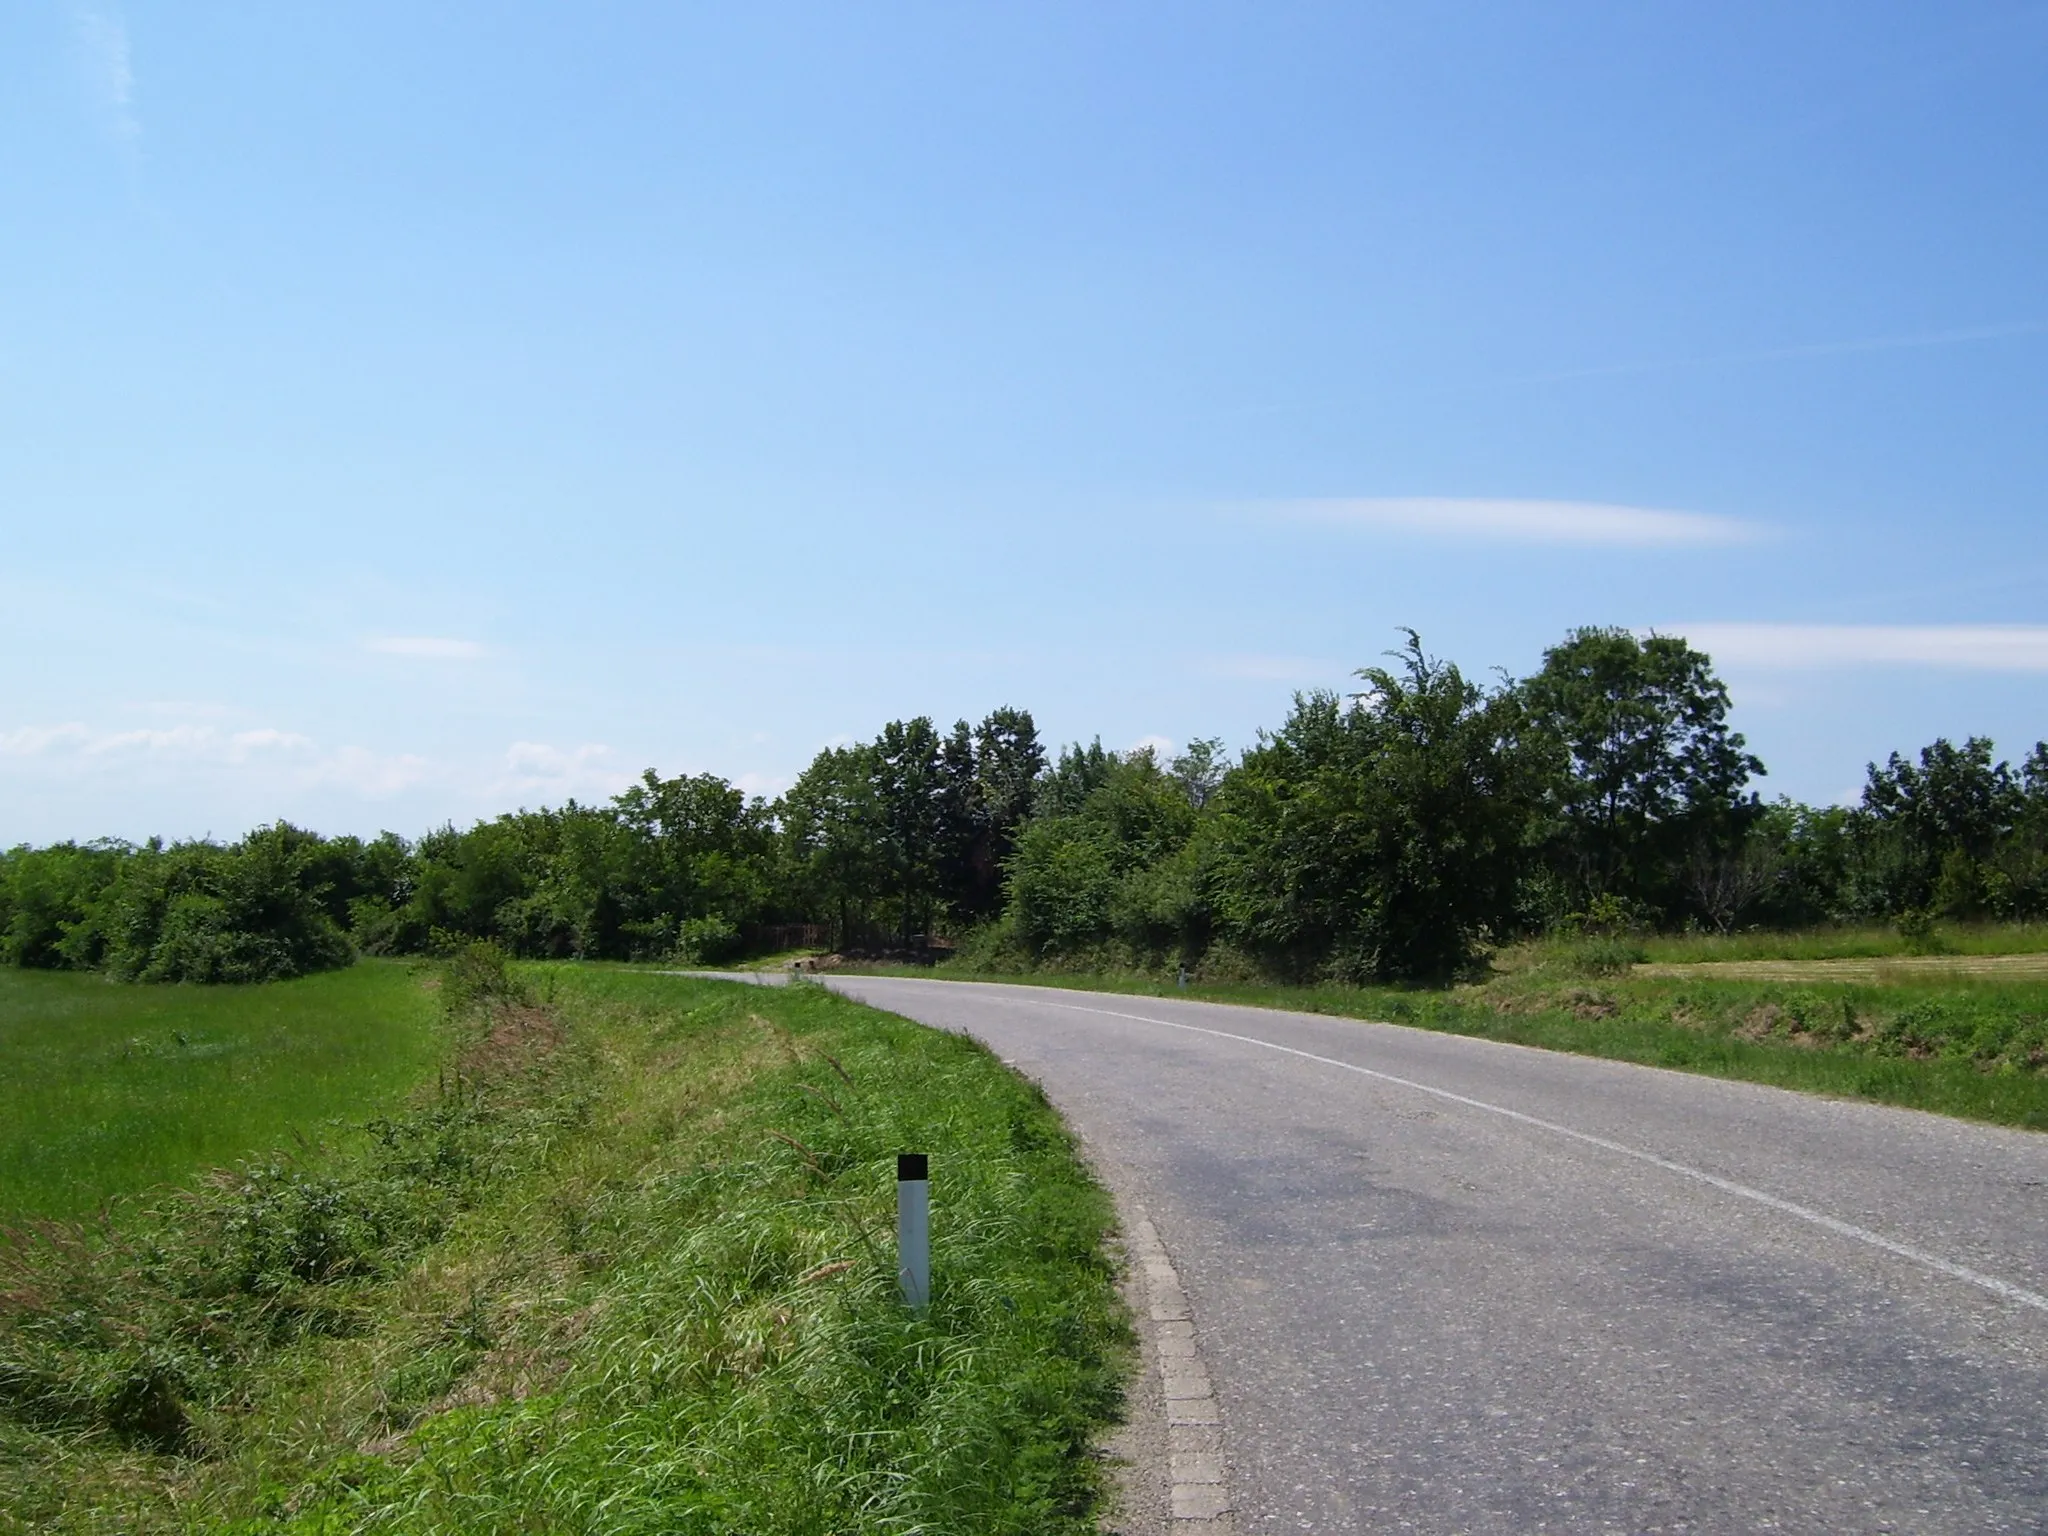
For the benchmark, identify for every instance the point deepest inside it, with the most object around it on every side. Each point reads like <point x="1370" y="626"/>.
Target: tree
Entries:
<point x="707" y="844"/>
<point x="1645" y="773"/>
<point x="1008" y="762"/>
<point x="915" y="792"/>
<point x="831" y="819"/>
<point x="1111" y="867"/>
<point x="1200" y="769"/>
<point x="1928" y="830"/>
<point x="1380" y="837"/>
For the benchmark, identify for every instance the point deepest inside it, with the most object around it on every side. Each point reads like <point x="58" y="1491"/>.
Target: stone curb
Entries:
<point x="1198" y="1489"/>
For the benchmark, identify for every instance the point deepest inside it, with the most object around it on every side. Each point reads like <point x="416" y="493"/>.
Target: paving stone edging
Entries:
<point x="1199" y="1491"/>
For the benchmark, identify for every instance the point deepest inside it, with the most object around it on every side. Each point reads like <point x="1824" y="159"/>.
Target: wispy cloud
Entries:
<point x="174" y="741"/>
<point x="1161" y="747"/>
<point x="370" y="775"/>
<point x="1481" y="520"/>
<point x="555" y="773"/>
<point x="36" y="740"/>
<point x="107" y="65"/>
<point x="1912" y="341"/>
<point x="1820" y="647"/>
<point x="74" y="747"/>
<point x="430" y="647"/>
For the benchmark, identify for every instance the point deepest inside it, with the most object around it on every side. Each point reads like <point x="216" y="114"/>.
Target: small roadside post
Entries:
<point x="1183" y="977"/>
<point x="914" y="1228"/>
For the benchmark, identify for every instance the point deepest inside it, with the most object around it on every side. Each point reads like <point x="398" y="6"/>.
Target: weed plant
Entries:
<point x="630" y="1269"/>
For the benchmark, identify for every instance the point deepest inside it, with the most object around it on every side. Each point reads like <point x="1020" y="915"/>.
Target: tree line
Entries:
<point x="1390" y="833"/>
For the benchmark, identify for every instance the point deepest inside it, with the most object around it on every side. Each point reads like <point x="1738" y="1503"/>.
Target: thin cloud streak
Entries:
<point x="430" y="647"/>
<point x="1948" y="338"/>
<point x="1573" y="523"/>
<point x="1831" y="647"/>
<point x="109" y="70"/>
<point x="272" y="754"/>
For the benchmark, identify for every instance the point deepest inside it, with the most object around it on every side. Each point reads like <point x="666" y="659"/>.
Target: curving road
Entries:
<point x="1448" y="1285"/>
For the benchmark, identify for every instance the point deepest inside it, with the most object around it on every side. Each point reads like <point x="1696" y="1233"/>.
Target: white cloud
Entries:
<point x="1476" y="519"/>
<point x="76" y="748"/>
<point x="1817" y="647"/>
<point x="371" y="775"/>
<point x="432" y="647"/>
<point x="193" y="741"/>
<point x="109" y="70"/>
<point x="259" y="740"/>
<point x="1161" y="747"/>
<point x="36" y="740"/>
<point x="554" y="773"/>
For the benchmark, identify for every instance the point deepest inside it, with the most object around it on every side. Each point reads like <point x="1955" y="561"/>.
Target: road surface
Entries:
<point x="1444" y="1285"/>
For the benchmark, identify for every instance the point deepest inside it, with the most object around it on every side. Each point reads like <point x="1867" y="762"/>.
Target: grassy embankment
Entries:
<point x="1857" y="1013"/>
<point x="628" y="1268"/>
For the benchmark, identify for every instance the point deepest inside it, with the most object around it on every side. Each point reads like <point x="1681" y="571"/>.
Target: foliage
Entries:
<point x="256" y="910"/>
<point x="1380" y="838"/>
<point x="1954" y="834"/>
<point x="1396" y="834"/>
<point x="1645" y="772"/>
<point x="1109" y="857"/>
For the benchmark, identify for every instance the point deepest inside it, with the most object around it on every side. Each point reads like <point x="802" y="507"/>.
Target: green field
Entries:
<point x="113" y="1089"/>
<point x="635" y="1273"/>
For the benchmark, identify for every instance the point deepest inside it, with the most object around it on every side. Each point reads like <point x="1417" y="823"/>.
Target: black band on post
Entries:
<point x="912" y="1167"/>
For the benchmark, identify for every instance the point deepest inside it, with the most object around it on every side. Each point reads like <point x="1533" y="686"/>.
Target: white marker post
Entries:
<point x="914" y="1228"/>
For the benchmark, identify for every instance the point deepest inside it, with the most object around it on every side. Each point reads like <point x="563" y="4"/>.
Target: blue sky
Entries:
<point x="407" y="413"/>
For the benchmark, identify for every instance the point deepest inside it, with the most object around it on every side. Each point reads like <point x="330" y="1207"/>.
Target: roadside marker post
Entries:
<point x="914" y="1228"/>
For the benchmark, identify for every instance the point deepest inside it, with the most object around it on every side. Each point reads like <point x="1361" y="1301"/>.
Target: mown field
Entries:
<point x="1860" y="1014"/>
<point x="112" y="1090"/>
<point x="626" y="1264"/>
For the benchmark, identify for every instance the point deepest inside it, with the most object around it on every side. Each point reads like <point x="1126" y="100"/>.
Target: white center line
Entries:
<point x="1834" y="1224"/>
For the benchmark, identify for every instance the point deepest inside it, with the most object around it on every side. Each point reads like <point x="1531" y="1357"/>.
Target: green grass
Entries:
<point x="1973" y="1048"/>
<point x="636" y="1276"/>
<point x="113" y="1089"/>
<point x="1847" y="943"/>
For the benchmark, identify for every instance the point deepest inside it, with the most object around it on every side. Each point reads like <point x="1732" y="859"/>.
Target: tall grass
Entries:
<point x="1865" y="942"/>
<point x="669" y="1305"/>
<point x="113" y="1089"/>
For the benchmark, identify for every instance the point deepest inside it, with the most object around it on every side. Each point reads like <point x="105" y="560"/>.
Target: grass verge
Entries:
<point x="1973" y="1048"/>
<point x="630" y="1271"/>
<point x="1872" y="941"/>
<point x="112" y="1088"/>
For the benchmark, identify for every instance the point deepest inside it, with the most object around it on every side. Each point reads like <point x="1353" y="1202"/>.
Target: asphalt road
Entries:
<point x="1447" y="1285"/>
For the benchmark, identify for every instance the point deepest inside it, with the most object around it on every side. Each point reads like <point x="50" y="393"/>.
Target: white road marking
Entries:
<point x="2002" y="1288"/>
